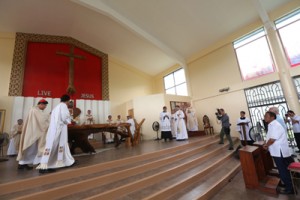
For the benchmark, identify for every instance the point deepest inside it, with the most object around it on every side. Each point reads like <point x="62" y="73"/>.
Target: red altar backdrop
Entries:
<point x="46" y="73"/>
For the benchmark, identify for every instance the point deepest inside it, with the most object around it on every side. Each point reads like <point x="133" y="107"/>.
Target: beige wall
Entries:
<point x="7" y="42"/>
<point x="126" y="83"/>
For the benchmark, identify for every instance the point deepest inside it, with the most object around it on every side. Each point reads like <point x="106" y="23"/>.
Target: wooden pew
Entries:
<point x="254" y="173"/>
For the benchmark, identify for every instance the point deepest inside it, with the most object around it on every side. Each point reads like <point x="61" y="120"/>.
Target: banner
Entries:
<point x="47" y="71"/>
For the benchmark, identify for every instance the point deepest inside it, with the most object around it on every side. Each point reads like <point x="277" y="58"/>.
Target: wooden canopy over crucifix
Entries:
<point x="71" y="88"/>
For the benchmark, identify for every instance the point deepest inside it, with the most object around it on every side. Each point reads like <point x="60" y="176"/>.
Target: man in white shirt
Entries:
<point x="89" y="119"/>
<point x="295" y="119"/>
<point x="132" y="125"/>
<point x="108" y="135"/>
<point x="278" y="146"/>
<point x="278" y="116"/>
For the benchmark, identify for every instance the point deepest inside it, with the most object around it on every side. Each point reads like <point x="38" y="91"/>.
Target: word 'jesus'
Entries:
<point x="87" y="96"/>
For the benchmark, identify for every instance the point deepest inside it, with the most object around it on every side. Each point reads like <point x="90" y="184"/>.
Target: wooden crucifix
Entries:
<point x="71" y="88"/>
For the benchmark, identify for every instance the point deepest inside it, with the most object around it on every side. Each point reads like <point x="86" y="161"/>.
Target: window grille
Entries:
<point x="261" y="98"/>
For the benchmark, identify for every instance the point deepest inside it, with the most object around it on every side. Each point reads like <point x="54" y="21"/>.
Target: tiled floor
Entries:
<point x="235" y="189"/>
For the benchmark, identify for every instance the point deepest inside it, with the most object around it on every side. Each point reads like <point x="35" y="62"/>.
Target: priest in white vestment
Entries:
<point x="32" y="141"/>
<point x="180" y="127"/>
<point x="165" y="124"/>
<point x="57" y="152"/>
<point x="15" y="137"/>
<point x="192" y="122"/>
<point x="244" y="121"/>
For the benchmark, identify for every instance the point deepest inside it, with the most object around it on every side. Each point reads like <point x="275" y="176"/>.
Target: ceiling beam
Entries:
<point x="268" y="24"/>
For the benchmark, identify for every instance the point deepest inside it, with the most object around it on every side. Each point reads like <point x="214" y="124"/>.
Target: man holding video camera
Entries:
<point x="223" y="117"/>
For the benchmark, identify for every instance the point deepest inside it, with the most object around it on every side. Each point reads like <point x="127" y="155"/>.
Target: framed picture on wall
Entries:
<point x="2" y="120"/>
<point x="183" y="105"/>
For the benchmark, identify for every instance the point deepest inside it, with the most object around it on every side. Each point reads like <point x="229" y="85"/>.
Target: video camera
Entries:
<point x="218" y="112"/>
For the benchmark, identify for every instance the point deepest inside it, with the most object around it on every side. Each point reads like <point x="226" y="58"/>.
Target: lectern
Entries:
<point x="252" y="165"/>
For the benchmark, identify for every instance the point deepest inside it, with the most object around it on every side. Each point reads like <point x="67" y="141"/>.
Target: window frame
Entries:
<point x="247" y="37"/>
<point x="175" y="86"/>
<point x="280" y="27"/>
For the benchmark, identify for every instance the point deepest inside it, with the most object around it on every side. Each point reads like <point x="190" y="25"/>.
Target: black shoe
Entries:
<point x="286" y="191"/>
<point x="25" y="167"/>
<point x="230" y="148"/>
<point x="221" y="142"/>
<point x="44" y="171"/>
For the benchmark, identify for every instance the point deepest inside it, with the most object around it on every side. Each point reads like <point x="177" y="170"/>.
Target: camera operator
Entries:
<point x="223" y="117"/>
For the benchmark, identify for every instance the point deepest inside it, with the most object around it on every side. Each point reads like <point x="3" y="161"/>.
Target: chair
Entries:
<point x="294" y="169"/>
<point x="208" y="129"/>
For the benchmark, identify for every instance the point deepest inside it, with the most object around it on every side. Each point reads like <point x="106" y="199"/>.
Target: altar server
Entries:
<point x="165" y="122"/>
<point x="244" y="121"/>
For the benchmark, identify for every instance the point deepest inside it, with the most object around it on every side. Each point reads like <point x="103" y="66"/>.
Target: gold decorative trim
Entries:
<point x="19" y="60"/>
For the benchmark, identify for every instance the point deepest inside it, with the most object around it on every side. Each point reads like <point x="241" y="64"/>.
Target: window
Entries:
<point x="253" y="55"/>
<point x="289" y="31"/>
<point x="175" y="83"/>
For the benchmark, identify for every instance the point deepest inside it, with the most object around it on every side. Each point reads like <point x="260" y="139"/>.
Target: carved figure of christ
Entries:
<point x="71" y="88"/>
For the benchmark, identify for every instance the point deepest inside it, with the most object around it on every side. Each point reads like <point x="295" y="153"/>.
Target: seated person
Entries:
<point x="109" y="136"/>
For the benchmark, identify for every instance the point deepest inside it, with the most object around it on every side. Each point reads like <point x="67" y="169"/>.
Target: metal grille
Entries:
<point x="261" y="98"/>
<point x="297" y="85"/>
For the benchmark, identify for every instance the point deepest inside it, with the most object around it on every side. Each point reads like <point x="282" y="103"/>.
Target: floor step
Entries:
<point x="270" y="185"/>
<point x="103" y="167"/>
<point x="135" y="177"/>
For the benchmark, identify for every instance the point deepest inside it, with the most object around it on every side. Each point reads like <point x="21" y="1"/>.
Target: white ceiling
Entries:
<point x="151" y="35"/>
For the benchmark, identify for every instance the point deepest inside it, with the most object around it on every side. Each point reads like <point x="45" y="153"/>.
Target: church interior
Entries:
<point x="132" y="58"/>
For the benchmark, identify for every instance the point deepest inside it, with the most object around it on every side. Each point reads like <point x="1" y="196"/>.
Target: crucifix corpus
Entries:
<point x="71" y="88"/>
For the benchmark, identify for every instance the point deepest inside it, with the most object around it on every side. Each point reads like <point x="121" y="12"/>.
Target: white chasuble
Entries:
<point x="57" y="153"/>
<point x="192" y="122"/>
<point x="180" y="127"/>
<point x="33" y="136"/>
